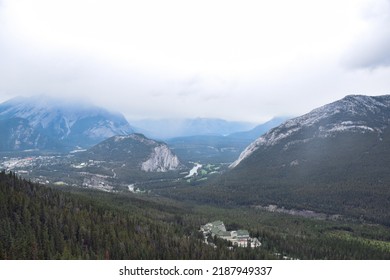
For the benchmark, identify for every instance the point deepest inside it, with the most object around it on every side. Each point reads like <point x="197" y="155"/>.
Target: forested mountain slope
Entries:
<point x="334" y="159"/>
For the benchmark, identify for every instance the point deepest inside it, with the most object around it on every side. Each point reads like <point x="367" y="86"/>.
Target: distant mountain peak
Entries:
<point x="171" y="128"/>
<point x="67" y="122"/>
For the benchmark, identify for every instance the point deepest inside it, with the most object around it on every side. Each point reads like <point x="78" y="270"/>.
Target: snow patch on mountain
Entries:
<point x="362" y="128"/>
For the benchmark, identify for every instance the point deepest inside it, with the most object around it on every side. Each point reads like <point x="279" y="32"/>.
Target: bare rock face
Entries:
<point x="136" y="152"/>
<point x="161" y="160"/>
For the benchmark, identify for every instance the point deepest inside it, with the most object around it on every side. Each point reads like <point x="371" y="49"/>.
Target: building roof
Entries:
<point x="224" y="233"/>
<point x="219" y="232"/>
<point x="242" y="232"/>
<point x="217" y="223"/>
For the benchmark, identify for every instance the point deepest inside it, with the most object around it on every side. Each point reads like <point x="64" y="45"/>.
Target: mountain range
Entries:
<point x="334" y="159"/>
<point x="219" y="148"/>
<point x="47" y="123"/>
<point x="172" y="128"/>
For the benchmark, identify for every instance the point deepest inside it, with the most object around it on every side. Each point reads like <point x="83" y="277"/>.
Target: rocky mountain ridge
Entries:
<point x="137" y="152"/>
<point x="50" y="122"/>
<point x="354" y="113"/>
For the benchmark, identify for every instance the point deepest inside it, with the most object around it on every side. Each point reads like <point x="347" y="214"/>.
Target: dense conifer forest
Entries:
<point x="40" y="222"/>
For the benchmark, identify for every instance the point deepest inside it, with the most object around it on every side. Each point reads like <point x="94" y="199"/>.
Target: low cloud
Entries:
<point x="178" y="61"/>
<point x="371" y="49"/>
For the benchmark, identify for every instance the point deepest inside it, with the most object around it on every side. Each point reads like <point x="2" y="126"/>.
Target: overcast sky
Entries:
<point x="236" y="60"/>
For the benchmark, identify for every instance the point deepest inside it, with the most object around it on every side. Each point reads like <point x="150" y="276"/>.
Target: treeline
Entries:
<point x="38" y="222"/>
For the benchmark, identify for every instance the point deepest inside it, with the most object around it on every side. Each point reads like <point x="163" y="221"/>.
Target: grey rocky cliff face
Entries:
<point x="161" y="160"/>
